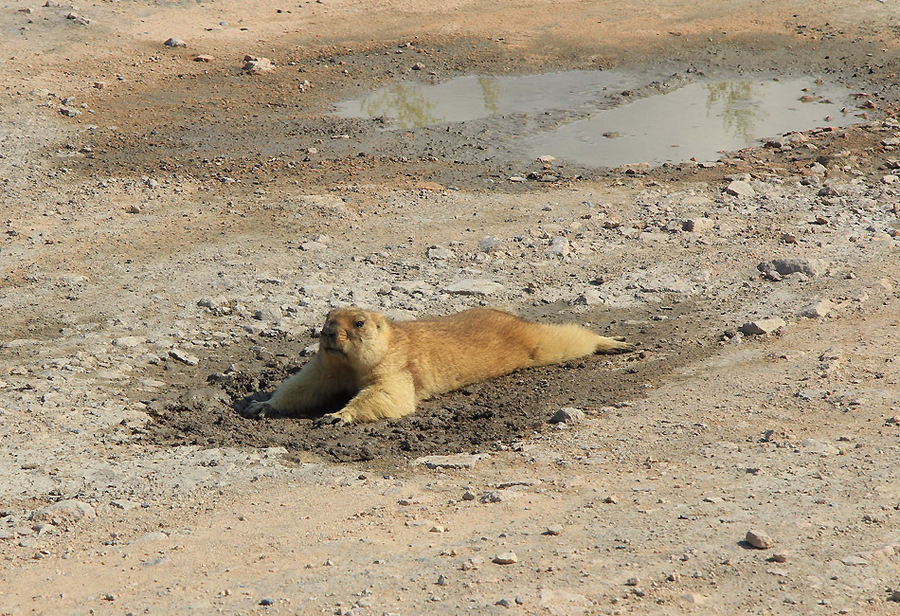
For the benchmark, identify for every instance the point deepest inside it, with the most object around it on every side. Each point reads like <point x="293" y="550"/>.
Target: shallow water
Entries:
<point x="409" y="105"/>
<point x="698" y="121"/>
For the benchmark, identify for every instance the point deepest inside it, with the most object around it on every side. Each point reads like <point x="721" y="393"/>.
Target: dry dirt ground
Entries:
<point x="174" y="231"/>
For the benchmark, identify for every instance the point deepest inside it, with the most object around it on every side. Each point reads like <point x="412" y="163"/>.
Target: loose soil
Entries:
<point x="174" y="231"/>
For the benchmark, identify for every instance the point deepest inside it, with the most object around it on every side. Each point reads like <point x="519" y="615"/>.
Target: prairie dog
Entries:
<point x="388" y="366"/>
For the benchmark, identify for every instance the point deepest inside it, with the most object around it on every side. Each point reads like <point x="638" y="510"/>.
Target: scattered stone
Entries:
<point x="559" y="246"/>
<point x="611" y="499"/>
<point x="63" y="512"/>
<point x="698" y="225"/>
<point x="817" y="310"/>
<point x="69" y="112"/>
<point x="184" y="357"/>
<point x="777" y="571"/>
<point x="128" y="342"/>
<point x="204" y="58"/>
<point x="468" y="495"/>
<point x="553" y="530"/>
<point x="134" y="208"/>
<point x="854" y="561"/>
<point x="762" y="327"/>
<point x="439" y="253"/>
<point x="568" y="415"/>
<point x="632" y="581"/>
<point x="786" y="267"/>
<point x="740" y="188"/>
<point x="78" y="19"/>
<point x="474" y="286"/>
<point x="759" y="540"/>
<point x="693" y="598"/>
<point x="489" y="244"/>
<point x="460" y="460"/>
<point x="559" y="601"/>
<point x="779" y="557"/>
<point x="257" y="65"/>
<point x="506" y="558"/>
<point x="895" y="596"/>
<point x="442" y="580"/>
<point x="418" y="66"/>
<point x="590" y="297"/>
<point x="174" y="42"/>
<point x="814" y="446"/>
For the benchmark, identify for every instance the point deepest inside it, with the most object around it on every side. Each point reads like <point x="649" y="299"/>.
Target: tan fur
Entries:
<point x="388" y="366"/>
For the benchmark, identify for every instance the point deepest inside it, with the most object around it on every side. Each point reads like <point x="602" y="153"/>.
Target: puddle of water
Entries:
<point x="699" y="120"/>
<point x="411" y="105"/>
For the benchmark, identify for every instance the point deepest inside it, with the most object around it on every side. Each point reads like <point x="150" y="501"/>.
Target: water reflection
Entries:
<point x="410" y="105"/>
<point x="699" y="120"/>
<point x="740" y="111"/>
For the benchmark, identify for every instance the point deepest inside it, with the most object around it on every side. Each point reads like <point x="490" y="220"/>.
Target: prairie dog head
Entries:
<point x="360" y="337"/>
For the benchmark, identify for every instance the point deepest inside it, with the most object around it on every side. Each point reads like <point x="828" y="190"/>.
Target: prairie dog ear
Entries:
<point x="380" y="320"/>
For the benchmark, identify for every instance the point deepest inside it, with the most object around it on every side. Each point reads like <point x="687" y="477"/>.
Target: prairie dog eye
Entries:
<point x="359" y="323"/>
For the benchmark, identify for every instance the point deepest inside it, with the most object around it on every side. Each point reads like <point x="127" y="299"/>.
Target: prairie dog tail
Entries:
<point x="558" y="343"/>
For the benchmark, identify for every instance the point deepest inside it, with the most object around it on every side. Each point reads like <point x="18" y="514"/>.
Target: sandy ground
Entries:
<point x="174" y="231"/>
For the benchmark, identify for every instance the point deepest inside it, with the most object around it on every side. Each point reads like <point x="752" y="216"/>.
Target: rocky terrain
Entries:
<point x="180" y="209"/>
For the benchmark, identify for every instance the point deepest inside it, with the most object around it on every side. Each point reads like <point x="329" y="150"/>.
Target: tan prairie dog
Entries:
<point x="386" y="366"/>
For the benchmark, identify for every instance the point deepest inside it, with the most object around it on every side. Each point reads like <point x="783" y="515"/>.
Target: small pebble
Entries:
<point x="506" y="558"/>
<point x="553" y="530"/>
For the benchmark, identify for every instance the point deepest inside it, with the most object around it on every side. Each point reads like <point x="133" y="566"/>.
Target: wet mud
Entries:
<point x="481" y="418"/>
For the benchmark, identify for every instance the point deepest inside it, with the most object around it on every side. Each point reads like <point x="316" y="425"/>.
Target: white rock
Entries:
<point x="590" y="297"/>
<point x="63" y="512"/>
<point x="815" y="446"/>
<point x="817" y="310"/>
<point x="740" y="188"/>
<point x="255" y="65"/>
<point x="439" y="253"/>
<point x="693" y="598"/>
<point x="184" y="357"/>
<point x="559" y="246"/>
<point x="568" y="415"/>
<point x="128" y="342"/>
<point x="506" y="558"/>
<point x="554" y="530"/>
<point x="174" y="42"/>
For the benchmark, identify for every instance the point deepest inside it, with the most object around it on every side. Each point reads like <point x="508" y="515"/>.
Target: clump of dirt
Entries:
<point x="484" y="417"/>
